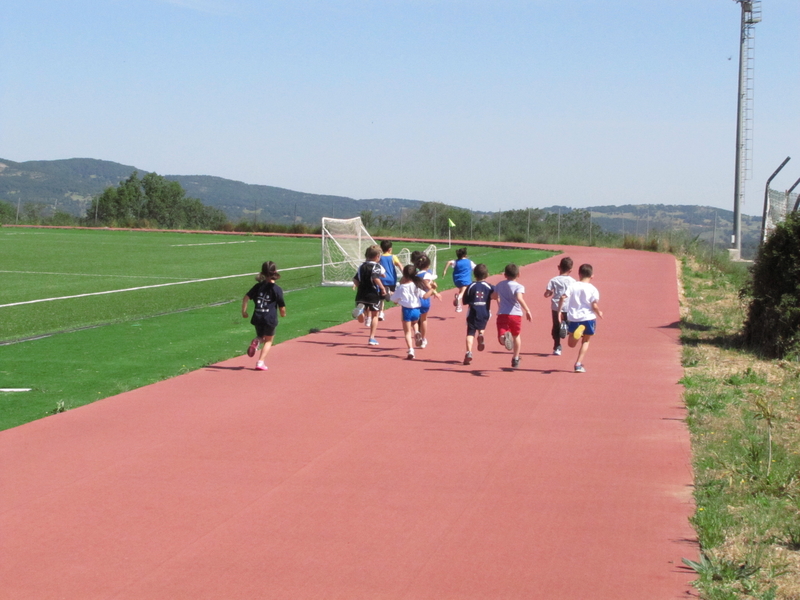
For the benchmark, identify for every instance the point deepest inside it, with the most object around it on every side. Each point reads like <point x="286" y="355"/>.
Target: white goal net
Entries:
<point x="344" y="242"/>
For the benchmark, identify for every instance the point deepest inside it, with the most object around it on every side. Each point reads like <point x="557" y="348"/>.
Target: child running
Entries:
<point x="268" y="299"/>
<point x="582" y="312"/>
<point x="511" y="306"/>
<point x="557" y="290"/>
<point x="409" y="294"/>
<point x="423" y="264"/>
<point x="370" y="291"/>
<point x="391" y="265"/>
<point x="478" y="296"/>
<point x="462" y="275"/>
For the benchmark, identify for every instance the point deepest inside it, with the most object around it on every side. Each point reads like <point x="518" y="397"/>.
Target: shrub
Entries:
<point x="772" y="327"/>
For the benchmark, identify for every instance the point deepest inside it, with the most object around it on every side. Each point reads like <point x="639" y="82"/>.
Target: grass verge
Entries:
<point x="745" y="426"/>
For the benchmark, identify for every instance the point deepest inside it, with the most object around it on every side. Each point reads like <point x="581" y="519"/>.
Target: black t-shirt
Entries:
<point x="368" y="291"/>
<point x="268" y="298"/>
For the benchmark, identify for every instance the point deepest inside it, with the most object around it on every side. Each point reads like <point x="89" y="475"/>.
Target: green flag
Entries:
<point x="450" y="222"/>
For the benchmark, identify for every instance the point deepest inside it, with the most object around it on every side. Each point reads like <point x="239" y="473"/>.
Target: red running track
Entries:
<point x="346" y="471"/>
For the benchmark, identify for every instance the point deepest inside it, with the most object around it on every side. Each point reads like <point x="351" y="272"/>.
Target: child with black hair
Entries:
<point x="558" y="290"/>
<point x="478" y="296"/>
<point x="268" y="298"/>
<point x="423" y="264"/>
<point x="409" y="293"/>
<point x="370" y="291"/>
<point x="391" y="266"/>
<point x="462" y="275"/>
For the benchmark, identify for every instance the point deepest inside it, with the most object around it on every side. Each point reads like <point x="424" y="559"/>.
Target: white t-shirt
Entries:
<point x="559" y="285"/>
<point x="507" y="295"/>
<point x="408" y="295"/>
<point x="579" y="303"/>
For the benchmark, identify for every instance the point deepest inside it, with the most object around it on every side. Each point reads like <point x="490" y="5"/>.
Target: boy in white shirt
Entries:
<point x="583" y="308"/>
<point x="558" y="290"/>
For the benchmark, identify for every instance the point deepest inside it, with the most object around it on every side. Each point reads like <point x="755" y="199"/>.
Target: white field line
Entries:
<point x="88" y="275"/>
<point x="146" y="287"/>
<point x="213" y="244"/>
<point x="15" y="389"/>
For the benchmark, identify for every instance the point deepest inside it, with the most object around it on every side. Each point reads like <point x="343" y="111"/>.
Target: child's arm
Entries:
<point x="282" y="310"/>
<point x="449" y="263"/>
<point x="379" y="283"/>
<point x="548" y="293"/>
<point x="596" y="309"/>
<point x="524" y="306"/>
<point x="245" y="302"/>
<point x="561" y="302"/>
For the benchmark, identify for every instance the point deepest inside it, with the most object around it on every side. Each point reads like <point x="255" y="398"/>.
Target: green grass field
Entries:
<point x="95" y="346"/>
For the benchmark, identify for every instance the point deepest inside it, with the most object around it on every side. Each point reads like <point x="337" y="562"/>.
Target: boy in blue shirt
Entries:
<point x="391" y="265"/>
<point x="478" y="296"/>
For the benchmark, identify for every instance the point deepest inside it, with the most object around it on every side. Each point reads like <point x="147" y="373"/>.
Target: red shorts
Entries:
<point x="512" y="323"/>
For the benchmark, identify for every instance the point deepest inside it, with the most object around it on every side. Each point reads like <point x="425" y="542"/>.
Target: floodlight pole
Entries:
<point x="751" y="14"/>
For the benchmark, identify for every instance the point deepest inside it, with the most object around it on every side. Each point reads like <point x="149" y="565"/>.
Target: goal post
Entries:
<point x="344" y="242"/>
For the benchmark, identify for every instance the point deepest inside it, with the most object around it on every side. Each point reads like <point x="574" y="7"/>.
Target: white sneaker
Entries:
<point x="358" y="311"/>
<point x="557" y="351"/>
<point x="367" y="321"/>
<point x="410" y="355"/>
<point x="424" y="343"/>
<point x="579" y="368"/>
<point x="380" y="316"/>
<point x="508" y="340"/>
<point x="418" y="339"/>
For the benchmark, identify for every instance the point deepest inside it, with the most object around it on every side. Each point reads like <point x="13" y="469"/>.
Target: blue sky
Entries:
<point x="489" y="105"/>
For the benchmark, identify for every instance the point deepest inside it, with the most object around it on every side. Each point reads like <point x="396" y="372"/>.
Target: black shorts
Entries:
<point x="475" y="324"/>
<point x="264" y="330"/>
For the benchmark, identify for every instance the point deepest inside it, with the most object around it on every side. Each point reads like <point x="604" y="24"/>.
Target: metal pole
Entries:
<point x="738" y="185"/>
<point x="18" y="201"/>
<point x="789" y="191"/>
<point x="528" y="234"/>
<point x="766" y="198"/>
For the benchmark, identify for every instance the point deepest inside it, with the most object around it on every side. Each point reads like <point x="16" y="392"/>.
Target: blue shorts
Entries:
<point x="424" y="306"/>
<point x="410" y="315"/>
<point x="589" y="325"/>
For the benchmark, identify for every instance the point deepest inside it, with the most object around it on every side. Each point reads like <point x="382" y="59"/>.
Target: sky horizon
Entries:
<point x="485" y="105"/>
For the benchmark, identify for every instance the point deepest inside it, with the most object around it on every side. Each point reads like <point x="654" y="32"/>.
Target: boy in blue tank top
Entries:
<point x="391" y="265"/>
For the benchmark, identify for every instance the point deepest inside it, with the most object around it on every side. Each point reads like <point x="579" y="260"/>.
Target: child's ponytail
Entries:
<point x="269" y="272"/>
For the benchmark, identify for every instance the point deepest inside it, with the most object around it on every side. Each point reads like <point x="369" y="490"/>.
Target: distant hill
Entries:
<point x="69" y="185"/>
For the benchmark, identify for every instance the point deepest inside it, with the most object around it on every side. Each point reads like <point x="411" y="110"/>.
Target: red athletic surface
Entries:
<point x="346" y="471"/>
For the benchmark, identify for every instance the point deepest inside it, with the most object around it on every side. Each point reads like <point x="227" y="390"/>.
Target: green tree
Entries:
<point x="772" y="327"/>
<point x="8" y="212"/>
<point x="152" y="201"/>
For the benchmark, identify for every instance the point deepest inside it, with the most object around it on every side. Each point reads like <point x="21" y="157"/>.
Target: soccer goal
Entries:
<point x="344" y="242"/>
<point x="405" y="257"/>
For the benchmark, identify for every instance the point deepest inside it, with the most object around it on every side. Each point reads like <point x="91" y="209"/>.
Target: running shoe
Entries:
<point x="373" y="342"/>
<point x="381" y="316"/>
<point x="424" y="343"/>
<point x="260" y="366"/>
<point x="481" y="342"/>
<point x="459" y="308"/>
<point x="367" y="321"/>
<point x="468" y="358"/>
<point x="410" y="355"/>
<point x="578" y="333"/>
<point x="563" y="330"/>
<point x="418" y="339"/>
<point x="455" y="301"/>
<point x="251" y="351"/>
<point x="579" y="368"/>
<point x="557" y="350"/>
<point x="508" y="340"/>
<point x="358" y="311"/>
<point x="515" y="362"/>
